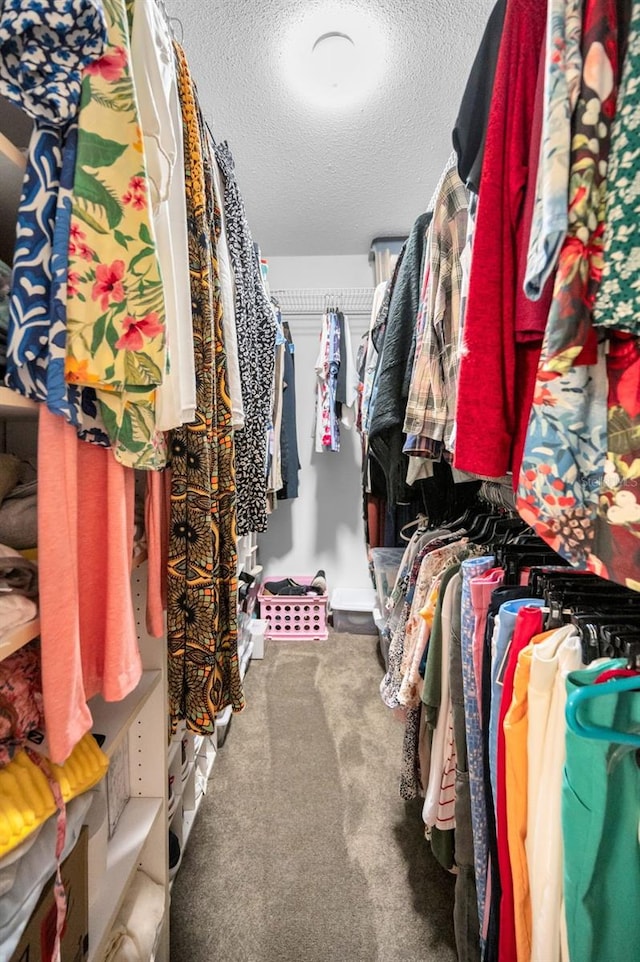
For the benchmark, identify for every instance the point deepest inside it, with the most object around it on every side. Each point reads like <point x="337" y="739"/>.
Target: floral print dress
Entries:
<point x="618" y="303"/>
<point x="115" y="301"/>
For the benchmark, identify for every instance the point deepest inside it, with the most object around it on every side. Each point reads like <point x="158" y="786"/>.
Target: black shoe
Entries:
<point x="285" y="587"/>
<point x="319" y="583"/>
<point x="175" y="855"/>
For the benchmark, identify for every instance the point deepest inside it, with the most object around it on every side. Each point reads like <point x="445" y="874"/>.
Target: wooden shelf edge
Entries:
<point x="9" y="149"/>
<point x="18" y="637"/>
<point x="14" y="405"/>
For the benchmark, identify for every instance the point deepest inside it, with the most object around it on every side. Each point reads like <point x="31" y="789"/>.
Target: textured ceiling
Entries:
<point x="327" y="181"/>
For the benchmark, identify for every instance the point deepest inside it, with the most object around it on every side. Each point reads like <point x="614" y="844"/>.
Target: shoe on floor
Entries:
<point x="285" y="587"/>
<point x="175" y="855"/>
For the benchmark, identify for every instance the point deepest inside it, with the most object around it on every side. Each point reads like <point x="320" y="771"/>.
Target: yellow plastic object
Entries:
<point x="26" y="799"/>
<point x="83" y="769"/>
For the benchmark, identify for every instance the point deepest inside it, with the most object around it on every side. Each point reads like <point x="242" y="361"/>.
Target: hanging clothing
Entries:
<point x="388" y="403"/>
<point x="202" y="629"/>
<point x="431" y="406"/>
<point x="600" y="789"/>
<point x="563" y="70"/>
<point x="552" y="661"/>
<point x="116" y="305"/>
<point x="474" y="568"/>
<point x="327" y="430"/>
<point x="89" y="642"/>
<point x="528" y="624"/>
<point x="618" y="303"/>
<point x="228" y="295"/>
<point x="470" y="128"/>
<point x="569" y="332"/>
<point x="288" y="433"/>
<point x="493" y="399"/>
<point x="616" y="545"/>
<point x="42" y="52"/>
<point x="256" y="328"/>
<point x="516" y="733"/>
<point x="154" y="75"/>
<point x="371" y="361"/>
<point x="465" y="910"/>
<point x="565" y="452"/>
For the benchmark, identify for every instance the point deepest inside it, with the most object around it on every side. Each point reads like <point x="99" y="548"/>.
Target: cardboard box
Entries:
<point x="36" y="944"/>
<point x="118" y="785"/>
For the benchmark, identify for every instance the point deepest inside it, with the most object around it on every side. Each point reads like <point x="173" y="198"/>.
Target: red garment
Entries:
<point x="528" y="624"/>
<point x="531" y="316"/>
<point x="492" y="410"/>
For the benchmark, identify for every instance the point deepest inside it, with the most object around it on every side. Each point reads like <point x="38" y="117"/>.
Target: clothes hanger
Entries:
<point x="420" y="524"/>
<point x="587" y="729"/>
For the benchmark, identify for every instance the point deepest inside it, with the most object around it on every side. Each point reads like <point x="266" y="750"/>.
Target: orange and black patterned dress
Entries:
<point x="204" y="674"/>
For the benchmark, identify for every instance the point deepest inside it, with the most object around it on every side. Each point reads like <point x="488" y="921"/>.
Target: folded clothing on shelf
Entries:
<point x="23" y="879"/>
<point x="19" y="511"/>
<point x="134" y="935"/>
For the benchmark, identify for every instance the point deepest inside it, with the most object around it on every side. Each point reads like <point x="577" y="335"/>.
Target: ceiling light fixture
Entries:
<point x="335" y="56"/>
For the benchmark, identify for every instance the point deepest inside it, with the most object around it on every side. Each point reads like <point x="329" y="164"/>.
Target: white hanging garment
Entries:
<point x="161" y="120"/>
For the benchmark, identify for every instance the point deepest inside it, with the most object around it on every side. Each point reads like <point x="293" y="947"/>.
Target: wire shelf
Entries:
<point x="315" y="300"/>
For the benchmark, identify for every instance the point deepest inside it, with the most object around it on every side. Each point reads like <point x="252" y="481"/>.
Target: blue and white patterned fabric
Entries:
<point x="472" y="568"/>
<point x="44" y="46"/>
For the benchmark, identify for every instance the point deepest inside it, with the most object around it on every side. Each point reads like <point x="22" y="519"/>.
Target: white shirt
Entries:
<point x="154" y="74"/>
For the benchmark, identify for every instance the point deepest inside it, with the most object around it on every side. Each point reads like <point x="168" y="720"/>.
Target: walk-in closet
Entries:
<point x="319" y="481"/>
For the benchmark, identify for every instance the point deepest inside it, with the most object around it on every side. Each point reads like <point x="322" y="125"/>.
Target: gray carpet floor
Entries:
<point x="303" y="850"/>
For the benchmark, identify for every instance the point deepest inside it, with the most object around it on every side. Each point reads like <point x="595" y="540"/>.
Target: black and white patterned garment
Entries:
<point x="256" y="326"/>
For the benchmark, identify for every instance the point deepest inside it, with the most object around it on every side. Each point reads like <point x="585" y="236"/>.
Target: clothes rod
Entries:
<point x="350" y="300"/>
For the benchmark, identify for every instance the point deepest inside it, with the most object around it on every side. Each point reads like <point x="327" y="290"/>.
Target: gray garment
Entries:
<point x="288" y="431"/>
<point x="465" y="911"/>
<point x="256" y="328"/>
<point x="388" y="403"/>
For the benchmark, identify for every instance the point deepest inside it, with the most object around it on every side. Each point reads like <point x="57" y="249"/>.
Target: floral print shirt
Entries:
<point x="563" y="69"/>
<point x="115" y="300"/>
<point x="569" y="329"/>
<point x="618" y="302"/>
<point x="578" y="484"/>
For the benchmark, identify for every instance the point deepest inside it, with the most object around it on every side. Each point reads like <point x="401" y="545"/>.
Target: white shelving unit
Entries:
<point x="15" y="407"/>
<point x="114" y="719"/>
<point x="126" y="851"/>
<point x="140" y="839"/>
<point x="189" y="779"/>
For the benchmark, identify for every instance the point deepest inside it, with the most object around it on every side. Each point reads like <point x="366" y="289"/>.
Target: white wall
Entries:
<point x="323" y="527"/>
<point x="352" y="270"/>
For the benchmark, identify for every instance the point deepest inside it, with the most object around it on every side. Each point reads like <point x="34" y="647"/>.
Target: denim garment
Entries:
<point x="472" y="568"/>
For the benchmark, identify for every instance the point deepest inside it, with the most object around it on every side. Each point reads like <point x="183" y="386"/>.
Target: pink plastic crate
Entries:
<point x="294" y="617"/>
